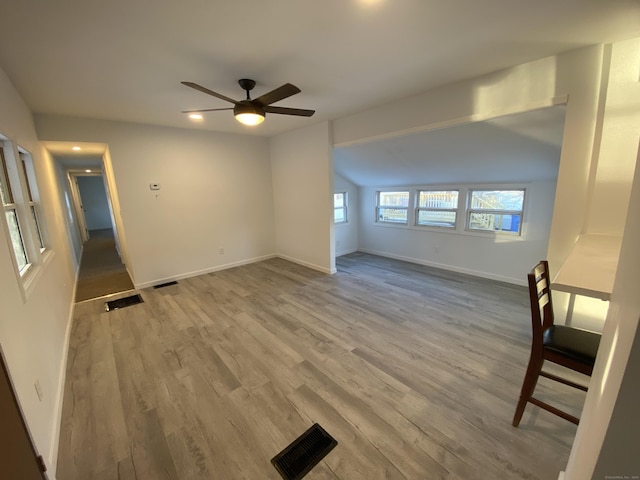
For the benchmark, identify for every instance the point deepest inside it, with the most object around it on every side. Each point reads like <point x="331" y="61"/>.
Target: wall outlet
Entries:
<point x="38" y="390"/>
<point x="221" y="251"/>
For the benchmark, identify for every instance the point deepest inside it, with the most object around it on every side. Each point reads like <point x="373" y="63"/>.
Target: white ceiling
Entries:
<point x="124" y="60"/>
<point x="88" y="155"/>
<point x="514" y="148"/>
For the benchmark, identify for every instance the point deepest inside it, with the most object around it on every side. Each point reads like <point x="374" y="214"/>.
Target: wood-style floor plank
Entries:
<point x="415" y="371"/>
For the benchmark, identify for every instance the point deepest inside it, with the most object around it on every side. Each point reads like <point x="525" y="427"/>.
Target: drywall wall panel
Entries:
<point x="213" y="208"/>
<point x="574" y="77"/>
<point x="302" y="167"/>
<point x="616" y="152"/>
<point x="34" y="330"/>
<point x="94" y="202"/>
<point x="604" y="446"/>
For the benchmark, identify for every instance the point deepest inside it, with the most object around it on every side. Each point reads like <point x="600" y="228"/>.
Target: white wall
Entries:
<point x="215" y="195"/>
<point x="573" y="77"/>
<point x="604" y="442"/>
<point x="226" y="191"/>
<point x="606" y="436"/>
<point x="616" y="152"/>
<point x="346" y="234"/>
<point x="500" y="257"/>
<point x="590" y="138"/>
<point x="302" y="169"/>
<point x="65" y="202"/>
<point x="94" y="202"/>
<point x="34" y="332"/>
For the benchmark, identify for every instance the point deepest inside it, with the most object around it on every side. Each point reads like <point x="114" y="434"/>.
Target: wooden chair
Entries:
<point x="570" y="347"/>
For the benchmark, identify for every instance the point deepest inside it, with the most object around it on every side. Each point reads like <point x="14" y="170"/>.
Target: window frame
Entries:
<point x="380" y="207"/>
<point x="32" y="200"/>
<point x="470" y="211"/>
<point x="344" y="208"/>
<point x="419" y="209"/>
<point x="21" y="180"/>
<point x="10" y="205"/>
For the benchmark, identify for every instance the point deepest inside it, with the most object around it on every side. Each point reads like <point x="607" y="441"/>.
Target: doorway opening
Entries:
<point x="102" y="271"/>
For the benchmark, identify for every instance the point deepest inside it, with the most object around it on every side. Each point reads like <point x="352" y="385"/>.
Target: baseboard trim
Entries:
<point x="204" y="271"/>
<point x="346" y="252"/>
<point x="52" y="457"/>
<point x="452" y="268"/>
<point x="312" y="266"/>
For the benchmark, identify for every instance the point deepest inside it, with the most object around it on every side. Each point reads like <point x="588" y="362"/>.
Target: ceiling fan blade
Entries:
<point x="206" y="110"/>
<point x="278" y="94"/>
<point x="290" y="111"/>
<point x="208" y="92"/>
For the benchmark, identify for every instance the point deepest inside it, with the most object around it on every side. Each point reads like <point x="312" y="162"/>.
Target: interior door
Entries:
<point x="18" y="456"/>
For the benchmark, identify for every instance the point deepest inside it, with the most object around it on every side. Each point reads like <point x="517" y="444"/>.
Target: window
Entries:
<point x="32" y="192"/>
<point x="392" y="207"/>
<point x="11" y="213"/>
<point x="496" y="210"/>
<point x="340" y="207"/>
<point x="437" y="208"/>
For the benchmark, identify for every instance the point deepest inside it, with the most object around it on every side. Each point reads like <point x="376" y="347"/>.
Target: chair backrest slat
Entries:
<point x="543" y="301"/>
<point x="540" y="297"/>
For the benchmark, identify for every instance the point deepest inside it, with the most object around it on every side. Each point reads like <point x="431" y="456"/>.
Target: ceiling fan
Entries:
<point x="252" y="112"/>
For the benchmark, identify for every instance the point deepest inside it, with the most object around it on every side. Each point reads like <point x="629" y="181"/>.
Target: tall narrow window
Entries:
<point x="32" y="192"/>
<point x="392" y="207"/>
<point x="437" y="208"/>
<point x="340" y="207"/>
<point x="11" y="213"/>
<point x="496" y="210"/>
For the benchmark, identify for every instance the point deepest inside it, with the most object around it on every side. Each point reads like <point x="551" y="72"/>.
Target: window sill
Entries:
<point x="494" y="236"/>
<point x="29" y="279"/>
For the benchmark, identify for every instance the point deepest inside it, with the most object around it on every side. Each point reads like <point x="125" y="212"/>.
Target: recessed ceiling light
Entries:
<point x="88" y="171"/>
<point x="76" y="148"/>
<point x="195" y="116"/>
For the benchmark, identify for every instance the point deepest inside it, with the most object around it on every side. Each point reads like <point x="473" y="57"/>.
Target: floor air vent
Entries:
<point x="123" y="302"/>
<point x="295" y="461"/>
<point x="168" y="284"/>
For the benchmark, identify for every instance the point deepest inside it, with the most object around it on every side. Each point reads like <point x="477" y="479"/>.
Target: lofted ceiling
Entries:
<point x="124" y="60"/>
<point x="514" y="148"/>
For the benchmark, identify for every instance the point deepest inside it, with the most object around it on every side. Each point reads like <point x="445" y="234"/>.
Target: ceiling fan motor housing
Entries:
<point x="247" y="84"/>
<point x="248" y="106"/>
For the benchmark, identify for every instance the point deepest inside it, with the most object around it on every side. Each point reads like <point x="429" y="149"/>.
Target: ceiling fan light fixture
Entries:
<point x="252" y="112"/>
<point x="250" y="118"/>
<point x="248" y="113"/>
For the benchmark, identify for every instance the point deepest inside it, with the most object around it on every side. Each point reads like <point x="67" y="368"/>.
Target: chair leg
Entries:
<point x="528" y="385"/>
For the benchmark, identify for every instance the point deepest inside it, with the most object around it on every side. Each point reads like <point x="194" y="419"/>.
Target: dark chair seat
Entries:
<point x="573" y="343"/>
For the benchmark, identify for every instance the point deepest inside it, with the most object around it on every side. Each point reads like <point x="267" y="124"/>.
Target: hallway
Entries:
<point x="101" y="270"/>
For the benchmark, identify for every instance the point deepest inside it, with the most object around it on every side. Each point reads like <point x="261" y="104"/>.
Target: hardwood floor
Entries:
<point x="415" y="371"/>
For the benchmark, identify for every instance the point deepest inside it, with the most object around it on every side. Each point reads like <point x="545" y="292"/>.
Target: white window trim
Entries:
<point x="431" y="209"/>
<point x="460" y="229"/>
<point x="394" y="207"/>
<point x="26" y="278"/>
<point x="345" y="208"/>
<point x="470" y="211"/>
<point x="32" y="202"/>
